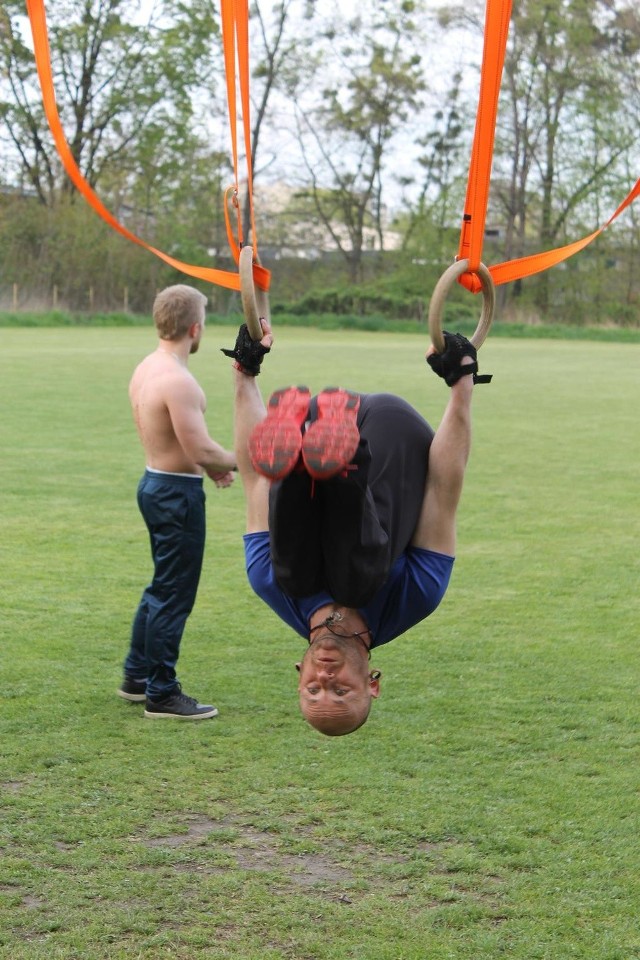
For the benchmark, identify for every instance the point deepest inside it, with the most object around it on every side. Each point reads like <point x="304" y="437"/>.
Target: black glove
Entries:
<point x="247" y="353"/>
<point x="447" y="364"/>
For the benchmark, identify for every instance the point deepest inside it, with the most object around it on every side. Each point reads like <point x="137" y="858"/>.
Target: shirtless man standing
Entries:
<point x="168" y="408"/>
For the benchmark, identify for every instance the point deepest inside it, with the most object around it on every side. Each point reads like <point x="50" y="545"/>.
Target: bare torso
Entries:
<point x="161" y="386"/>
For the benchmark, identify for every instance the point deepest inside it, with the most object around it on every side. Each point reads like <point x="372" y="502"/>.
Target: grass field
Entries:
<point x="490" y="806"/>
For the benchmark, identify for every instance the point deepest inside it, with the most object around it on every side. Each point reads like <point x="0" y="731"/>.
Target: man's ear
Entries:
<point x="374" y="686"/>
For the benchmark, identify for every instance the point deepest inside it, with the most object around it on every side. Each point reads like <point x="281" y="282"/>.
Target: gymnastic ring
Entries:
<point x="255" y="302"/>
<point x="439" y="296"/>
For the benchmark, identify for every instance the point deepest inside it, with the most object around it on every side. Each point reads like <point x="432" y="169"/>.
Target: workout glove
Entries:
<point x="447" y="364"/>
<point x="247" y="353"/>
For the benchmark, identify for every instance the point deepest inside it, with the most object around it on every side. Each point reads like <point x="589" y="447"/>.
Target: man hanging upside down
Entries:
<point x="351" y="508"/>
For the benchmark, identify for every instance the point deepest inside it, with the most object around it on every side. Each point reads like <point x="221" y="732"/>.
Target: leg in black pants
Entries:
<point x="174" y="512"/>
<point x="345" y="538"/>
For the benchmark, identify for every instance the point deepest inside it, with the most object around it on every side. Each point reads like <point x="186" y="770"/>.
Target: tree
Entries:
<point x="561" y="134"/>
<point x="442" y="176"/>
<point x="136" y="102"/>
<point x="279" y="55"/>
<point x="373" y="88"/>
<point x="114" y="77"/>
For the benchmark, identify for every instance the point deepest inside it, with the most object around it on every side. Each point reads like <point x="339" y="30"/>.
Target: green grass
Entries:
<point x="489" y="807"/>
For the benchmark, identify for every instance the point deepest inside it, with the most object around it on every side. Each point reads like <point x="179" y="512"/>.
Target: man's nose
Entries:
<point x="325" y="671"/>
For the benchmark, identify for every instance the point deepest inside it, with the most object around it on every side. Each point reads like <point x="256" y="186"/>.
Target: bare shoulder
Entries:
<point x="165" y="379"/>
<point x="182" y="387"/>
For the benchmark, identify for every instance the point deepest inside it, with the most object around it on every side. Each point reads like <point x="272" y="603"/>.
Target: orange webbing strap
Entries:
<point x="242" y="37"/>
<point x="496" y="30"/>
<point x="229" y="50"/>
<point x="235" y="37"/>
<point x="37" y="19"/>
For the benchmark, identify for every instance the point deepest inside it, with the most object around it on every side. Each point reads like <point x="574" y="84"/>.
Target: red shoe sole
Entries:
<point x="275" y="443"/>
<point x="331" y="441"/>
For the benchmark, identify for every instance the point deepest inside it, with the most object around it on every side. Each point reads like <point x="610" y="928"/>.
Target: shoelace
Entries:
<point x="188" y="701"/>
<point x="184" y="697"/>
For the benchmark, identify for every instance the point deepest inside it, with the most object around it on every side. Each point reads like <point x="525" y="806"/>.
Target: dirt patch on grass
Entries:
<point x="339" y="867"/>
<point x="12" y="786"/>
<point x="259" y="851"/>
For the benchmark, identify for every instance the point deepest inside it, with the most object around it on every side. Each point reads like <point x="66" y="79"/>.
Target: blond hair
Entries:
<point x="175" y="309"/>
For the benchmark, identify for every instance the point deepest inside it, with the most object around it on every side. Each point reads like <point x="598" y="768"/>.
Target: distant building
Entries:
<point x="287" y="225"/>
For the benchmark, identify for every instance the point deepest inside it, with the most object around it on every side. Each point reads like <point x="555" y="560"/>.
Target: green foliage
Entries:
<point x="566" y="93"/>
<point x="115" y="78"/>
<point x="486" y="810"/>
<point x="354" y="299"/>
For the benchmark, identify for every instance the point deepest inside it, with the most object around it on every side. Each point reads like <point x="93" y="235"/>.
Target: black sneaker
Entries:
<point x="133" y="690"/>
<point x="179" y="706"/>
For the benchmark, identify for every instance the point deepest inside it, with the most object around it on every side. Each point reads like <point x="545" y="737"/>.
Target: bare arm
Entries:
<point x="249" y="411"/>
<point x="185" y="405"/>
<point x="448" y="456"/>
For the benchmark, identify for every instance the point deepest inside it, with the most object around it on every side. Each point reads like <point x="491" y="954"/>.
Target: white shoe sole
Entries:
<point x="132" y="697"/>
<point x="180" y="716"/>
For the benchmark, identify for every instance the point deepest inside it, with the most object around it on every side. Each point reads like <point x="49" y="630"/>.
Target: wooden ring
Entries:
<point x="255" y="303"/>
<point x="439" y="296"/>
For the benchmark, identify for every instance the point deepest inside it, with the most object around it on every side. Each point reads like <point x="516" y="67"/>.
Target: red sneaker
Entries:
<point x="332" y="440"/>
<point x="274" y="444"/>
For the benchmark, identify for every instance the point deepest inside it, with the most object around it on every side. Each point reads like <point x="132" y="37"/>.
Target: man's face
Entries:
<point x="335" y="687"/>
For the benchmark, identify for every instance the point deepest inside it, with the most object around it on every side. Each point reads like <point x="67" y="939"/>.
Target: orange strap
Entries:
<point x="235" y="37"/>
<point x="37" y="19"/>
<point x="498" y="15"/>
<point x="496" y="30"/>
<point x="227" y="11"/>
